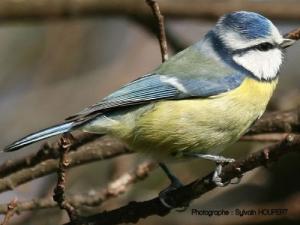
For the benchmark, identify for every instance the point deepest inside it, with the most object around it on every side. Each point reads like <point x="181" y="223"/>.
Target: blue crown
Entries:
<point x="248" y="24"/>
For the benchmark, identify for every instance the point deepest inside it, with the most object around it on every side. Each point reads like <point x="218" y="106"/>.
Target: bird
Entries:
<point x="197" y="103"/>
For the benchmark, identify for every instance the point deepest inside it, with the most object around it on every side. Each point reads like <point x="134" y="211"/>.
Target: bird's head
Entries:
<point x="253" y="42"/>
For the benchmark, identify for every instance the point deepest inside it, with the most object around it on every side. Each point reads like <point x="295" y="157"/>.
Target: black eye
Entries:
<point x="264" y="46"/>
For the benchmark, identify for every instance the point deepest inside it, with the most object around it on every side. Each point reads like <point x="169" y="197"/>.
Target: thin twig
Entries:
<point x="59" y="191"/>
<point x="295" y="34"/>
<point x="93" y="198"/>
<point x="10" y="211"/>
<point x="161" y="26"/>
<point x="134" y="211"/>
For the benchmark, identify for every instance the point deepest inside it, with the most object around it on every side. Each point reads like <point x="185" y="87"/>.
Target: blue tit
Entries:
<point x="198" y="102"/>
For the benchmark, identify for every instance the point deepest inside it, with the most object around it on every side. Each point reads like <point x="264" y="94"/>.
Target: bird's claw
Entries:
<point x="216" y="176"/>
<point x="163" y="196"/>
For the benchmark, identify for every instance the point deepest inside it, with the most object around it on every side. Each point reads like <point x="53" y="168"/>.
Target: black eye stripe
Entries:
<point x="265" y="46"/>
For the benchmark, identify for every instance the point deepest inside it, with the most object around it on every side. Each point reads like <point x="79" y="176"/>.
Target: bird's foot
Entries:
<point x="164" y="193"/>
<point x="175" y="184"/>
<point x="218" y="180"/>
<point x="216" y="176"/>
<point x="220" y="161"/>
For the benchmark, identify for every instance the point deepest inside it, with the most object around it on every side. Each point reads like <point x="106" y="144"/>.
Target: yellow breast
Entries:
<point x="198" y="125"/>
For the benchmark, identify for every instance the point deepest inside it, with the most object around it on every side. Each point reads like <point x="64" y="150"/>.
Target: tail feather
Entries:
<point x="40" y="135"/>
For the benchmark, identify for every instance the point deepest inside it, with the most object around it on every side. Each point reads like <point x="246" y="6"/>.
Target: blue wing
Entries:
<point x="189" y="74"/>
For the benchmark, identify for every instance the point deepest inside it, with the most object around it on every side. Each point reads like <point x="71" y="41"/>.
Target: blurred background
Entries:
<point x="51" y="69"/>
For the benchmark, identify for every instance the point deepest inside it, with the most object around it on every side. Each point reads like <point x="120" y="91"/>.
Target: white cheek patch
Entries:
<point x="264" y="65"/>
<point x="174" y="82"/>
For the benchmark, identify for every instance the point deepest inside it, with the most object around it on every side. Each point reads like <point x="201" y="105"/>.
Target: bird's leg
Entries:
<point x="219" y="160"/>
<point x="175" y="183"/>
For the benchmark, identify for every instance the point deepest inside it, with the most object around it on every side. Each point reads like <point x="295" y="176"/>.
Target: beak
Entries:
<point x="287" y="43"/>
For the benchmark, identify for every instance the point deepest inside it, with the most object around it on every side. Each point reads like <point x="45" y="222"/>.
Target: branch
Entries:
<point x="94" y="198"/>
<point x="161" y="29"/>
<point x="134" y="211"/>
<point x="12" y="10"/>
<point x="59" y="191"/>
<point x="271" y="137"/>
<point x="278" y="122"/>
<point x="104" y="148"/>
<point x="295" y="34"/>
